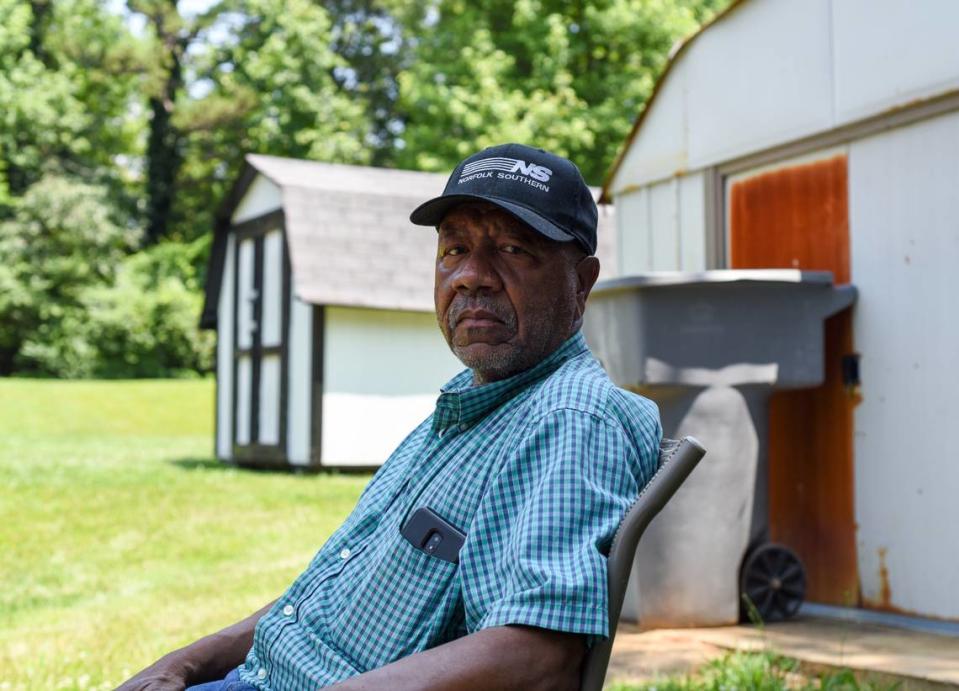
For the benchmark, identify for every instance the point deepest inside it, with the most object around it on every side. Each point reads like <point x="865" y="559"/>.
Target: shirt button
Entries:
<point x="344" y="553"/>
<point x="288" y="610"/>
<point x="262" y="673"/>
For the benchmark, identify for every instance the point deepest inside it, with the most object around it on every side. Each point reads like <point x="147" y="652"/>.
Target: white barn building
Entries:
<point x="321" y="293"/>
<point x="824" y="134"/>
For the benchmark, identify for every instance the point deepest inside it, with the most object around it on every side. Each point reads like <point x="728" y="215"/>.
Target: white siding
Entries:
<point x="224" y="357"/>
<point x="634" y="239"/>
<point x="382" y="371"/>
<point x="893" y="52"/>
<point x="244" y="398"/>
<point x="760" y="77"/>
<point x="662" y="226"/>
<point x="664" y="155"/>
<point x="692" y="223"/>
<point x="268" y="428"/>
<point x="904" y="221"/>
<point x="261" y="197"/>
<point x="272" y="288"/>
<point x="245" y="294"/>
<point x="299" y="381"/>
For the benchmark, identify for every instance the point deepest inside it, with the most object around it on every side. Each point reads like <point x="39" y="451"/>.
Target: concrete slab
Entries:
<point x="918" y="660"/>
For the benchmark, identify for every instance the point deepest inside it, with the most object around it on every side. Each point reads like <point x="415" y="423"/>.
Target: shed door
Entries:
<point x="260" y="356"/>
<point x="796" y="216"/>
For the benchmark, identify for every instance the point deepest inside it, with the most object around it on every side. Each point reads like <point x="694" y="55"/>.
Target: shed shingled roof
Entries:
<point x="348" y="231"/>
<point x="351" y="242"/>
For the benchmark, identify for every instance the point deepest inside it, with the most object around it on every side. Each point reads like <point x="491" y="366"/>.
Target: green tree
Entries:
<point x="63" y="238"/>
<point x="375" y="44"/>
<point x="68" y="71"/>
<point x="568" y="76"/>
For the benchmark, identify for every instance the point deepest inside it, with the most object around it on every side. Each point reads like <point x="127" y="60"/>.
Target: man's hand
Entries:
<point x="166" y="674"/>
<point x="503" y="658"/>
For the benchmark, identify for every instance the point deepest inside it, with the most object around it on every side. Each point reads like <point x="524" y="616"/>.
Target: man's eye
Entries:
<point x="512" y="249"/>
<point x="452" y="251"/>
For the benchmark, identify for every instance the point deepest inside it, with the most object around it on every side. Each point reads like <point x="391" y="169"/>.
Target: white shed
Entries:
<point x="824" y="134"/>
<point x="321" y="292"/>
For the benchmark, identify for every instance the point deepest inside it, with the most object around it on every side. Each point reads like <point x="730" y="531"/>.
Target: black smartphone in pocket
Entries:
<point x="429" y="532"/>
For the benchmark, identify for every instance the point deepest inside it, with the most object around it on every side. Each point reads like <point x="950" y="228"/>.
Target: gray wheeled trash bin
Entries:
<point x="710" y="348"/>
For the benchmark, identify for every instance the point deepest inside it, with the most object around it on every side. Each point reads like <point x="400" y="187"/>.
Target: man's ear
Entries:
<point x="587" y="271"/>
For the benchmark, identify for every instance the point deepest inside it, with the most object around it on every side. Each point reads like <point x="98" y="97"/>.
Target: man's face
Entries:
<point x="506" y="296"/>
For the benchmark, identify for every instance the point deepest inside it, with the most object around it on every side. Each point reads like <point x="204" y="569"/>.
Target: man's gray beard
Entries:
<point x="503" y="356"/>
<point x="505" y="359"/>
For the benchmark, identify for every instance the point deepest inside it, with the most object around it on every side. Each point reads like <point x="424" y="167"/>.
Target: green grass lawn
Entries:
<point x="121" y="537"/>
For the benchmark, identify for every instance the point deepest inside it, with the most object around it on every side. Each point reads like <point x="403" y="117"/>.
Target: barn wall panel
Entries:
<point x="224" y="358"/>
<point x="901" y="53"/>
<point x="692" y="222"/>
<point x="773" y="72"/>
<point x="383" y="371"/>
<point x="661" y="156"/>
<point x="632" y="223"/>
<point x="904" y="214"/>
<point x="760" y="77"/>
<point x="662" y="226"/>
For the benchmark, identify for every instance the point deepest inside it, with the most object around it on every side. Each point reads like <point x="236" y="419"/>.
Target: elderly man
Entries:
<point x="474" y="558"/>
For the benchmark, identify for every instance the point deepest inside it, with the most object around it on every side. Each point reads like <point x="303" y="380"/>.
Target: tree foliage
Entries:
<point x="67" y="77"/>
<point x="567" y="76"/>
<point x="74" y="302"/>
<point x="63" y="238"/>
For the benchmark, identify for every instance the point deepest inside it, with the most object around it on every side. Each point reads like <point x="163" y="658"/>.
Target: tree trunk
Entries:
<point x="164" y="155"/>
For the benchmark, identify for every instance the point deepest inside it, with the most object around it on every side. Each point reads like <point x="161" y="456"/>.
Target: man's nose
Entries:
<point x="477" y="273"/>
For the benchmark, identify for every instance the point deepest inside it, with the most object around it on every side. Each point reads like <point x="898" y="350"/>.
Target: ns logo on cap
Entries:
<point x="509" y="165"/>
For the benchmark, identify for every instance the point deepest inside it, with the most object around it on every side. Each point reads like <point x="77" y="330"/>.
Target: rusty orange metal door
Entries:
<point x="797" y="216"/>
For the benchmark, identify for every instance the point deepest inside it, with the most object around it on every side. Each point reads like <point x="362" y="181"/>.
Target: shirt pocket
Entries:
<point x="402" y="604"/>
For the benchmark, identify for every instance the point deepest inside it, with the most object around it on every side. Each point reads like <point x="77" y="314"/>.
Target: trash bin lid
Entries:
<point x="714" y="328"/>
<point x="672" y="278"/>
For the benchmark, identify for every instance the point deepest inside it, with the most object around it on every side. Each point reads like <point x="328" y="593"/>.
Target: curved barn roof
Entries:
<point x="766" y="73"/>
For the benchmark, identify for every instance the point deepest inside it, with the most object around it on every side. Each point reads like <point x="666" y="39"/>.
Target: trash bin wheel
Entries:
<point x="772" y="581"/>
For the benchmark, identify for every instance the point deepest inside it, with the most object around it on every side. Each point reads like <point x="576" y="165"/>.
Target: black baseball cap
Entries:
<point x="545" y="191"/>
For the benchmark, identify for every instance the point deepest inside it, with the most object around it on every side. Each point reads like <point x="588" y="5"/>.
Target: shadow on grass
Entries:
<point x="212" y="464"/>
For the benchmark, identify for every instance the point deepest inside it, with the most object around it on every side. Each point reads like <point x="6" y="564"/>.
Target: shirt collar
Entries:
<point x="461" y="403"/>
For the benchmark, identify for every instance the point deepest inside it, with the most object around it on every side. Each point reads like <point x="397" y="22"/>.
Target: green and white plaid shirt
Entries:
<point x="537" y="470"/>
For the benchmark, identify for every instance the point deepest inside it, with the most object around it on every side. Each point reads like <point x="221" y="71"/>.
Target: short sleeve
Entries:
<point x="535" y="554"/>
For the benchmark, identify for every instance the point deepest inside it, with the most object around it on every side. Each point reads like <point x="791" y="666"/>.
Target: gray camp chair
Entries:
<point x="676" y="461"/>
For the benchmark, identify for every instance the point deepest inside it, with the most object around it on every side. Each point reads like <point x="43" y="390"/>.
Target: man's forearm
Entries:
<point x="496" y="659"/>
<point x="213" y="656"/>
